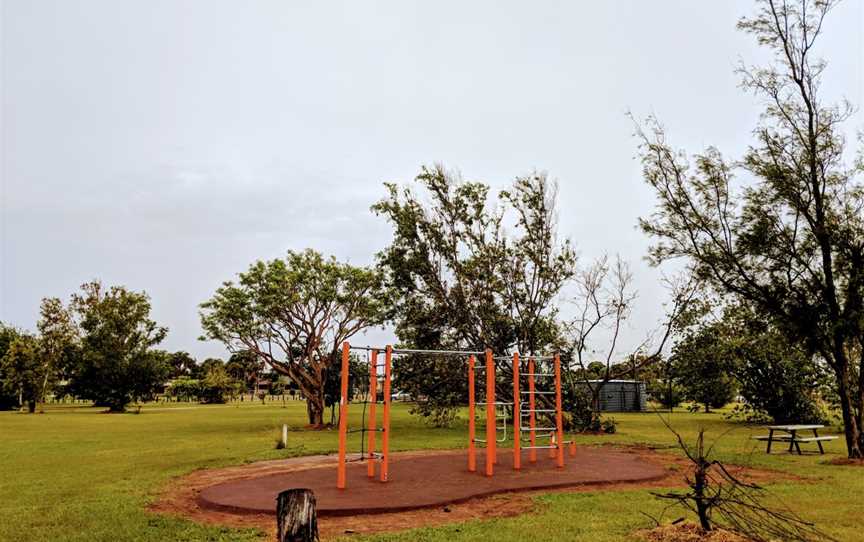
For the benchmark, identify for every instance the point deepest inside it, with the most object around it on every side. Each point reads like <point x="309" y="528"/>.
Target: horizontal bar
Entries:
<point x="539" y="374"/>
<point x="539" y="410"/>
<point x="447" y="352"/>
<point x="538" y="447"/>
<point x="419" y="351"/>
<point x="537" y="392"/>
<point x="528" y="429"/>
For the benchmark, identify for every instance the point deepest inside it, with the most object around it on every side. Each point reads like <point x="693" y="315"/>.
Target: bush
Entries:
<point x="218" y="386"/>
<point x="185" y="389"/>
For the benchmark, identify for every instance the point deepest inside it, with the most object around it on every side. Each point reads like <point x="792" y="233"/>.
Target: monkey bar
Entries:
<point x="494" y="410"/>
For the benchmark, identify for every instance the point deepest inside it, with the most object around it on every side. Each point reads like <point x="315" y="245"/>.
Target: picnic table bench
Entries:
<point x="789" y="433"/>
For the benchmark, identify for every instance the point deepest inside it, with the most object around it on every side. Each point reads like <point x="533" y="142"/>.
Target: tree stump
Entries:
<point x="296" y="516"/>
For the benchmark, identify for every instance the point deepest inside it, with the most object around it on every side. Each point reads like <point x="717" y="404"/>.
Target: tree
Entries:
<point x="244" y="366"/>
<point x="200" y="370"/>
<point x="58" y="339"/>
<point x="182" y="364"/>
<point x="116" y="364"/>
<point x="294" y="314"/>
<point x="453" y="255"/>
<point x="790" y="238"/>
<point x="470" y="273"/>
<point x="8" y="394"/>
<point x="604" y="300"/>
<point x="703" y="365"/>
<point x="217" y="385"/>
<point x="23" y="370"/>
<point x="777" y="377"/>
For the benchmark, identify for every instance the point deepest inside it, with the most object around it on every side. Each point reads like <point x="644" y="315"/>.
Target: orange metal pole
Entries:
<point x="385" y="441"/>
<point x="490" y="413"/>
<point x="532" y="454"/>
<point x="517" y="445"/>
<point x="343" y="417"/>
<point x="472" y="457"/>
<point x="559" y="421"/>
<point x="373" y="392"/>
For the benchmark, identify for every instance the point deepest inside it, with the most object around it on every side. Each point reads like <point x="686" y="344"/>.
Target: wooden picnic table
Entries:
<point x="790" y="435"/>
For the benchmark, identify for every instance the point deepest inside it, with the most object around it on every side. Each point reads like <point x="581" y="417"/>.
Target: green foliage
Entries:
<point x="703" y="368"/>
<point x="788" y="237"/>
<point x="58" y="340"/>
<point x="23" y="370"/>
<point x="200" y="370"/>
<point x="777" y="377"/>
<point x="218" y="386"/>
<point x="185" y="388"/>
<point x="8" y="396"/>
<point x="116" y="364"/>
<point x="471" y="273"/>
<point x="182" y="364"/>
<point x="245" y="367"/>
<point x="294" y="315"/>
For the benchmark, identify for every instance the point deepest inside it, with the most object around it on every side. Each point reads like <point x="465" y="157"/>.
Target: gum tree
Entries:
<point x="788" y="237"/>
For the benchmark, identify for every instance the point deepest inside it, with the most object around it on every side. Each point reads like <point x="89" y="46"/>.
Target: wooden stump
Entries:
<point x="296" y="516"/>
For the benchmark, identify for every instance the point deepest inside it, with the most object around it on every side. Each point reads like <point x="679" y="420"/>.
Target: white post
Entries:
<point x="285" y="435"/>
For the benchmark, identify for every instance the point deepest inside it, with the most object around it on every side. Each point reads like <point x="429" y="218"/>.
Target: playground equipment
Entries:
<point x="538" y="398"/>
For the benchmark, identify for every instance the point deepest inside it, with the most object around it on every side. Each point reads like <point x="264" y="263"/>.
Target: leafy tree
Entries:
<point x="789" y="238"/>
<point x="201" y="370"/>
<point x="702" y="366"/>
<point x="471" y="273"/>
<point x="116" y="364"/>
<point x="23" y="370"/>
<point x="777" y="377"/>
<point x="294" y="315"/>
<point x="244" y="366"/>
<point x="182" y="364"/>
<point x="58" y="340"/>
<point x="218" y="386"/>
<point x="185" y="388"/>
<point x="8" y="399"/>
<point x="452" y="256"/>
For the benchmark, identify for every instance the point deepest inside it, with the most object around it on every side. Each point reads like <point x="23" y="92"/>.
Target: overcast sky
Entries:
<point x="165" y="145"/>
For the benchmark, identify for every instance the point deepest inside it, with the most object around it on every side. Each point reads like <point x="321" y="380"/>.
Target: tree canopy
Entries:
<point x="116" y="363"/>
<point x="788" y="236"/>
<point x="294" y="313"/>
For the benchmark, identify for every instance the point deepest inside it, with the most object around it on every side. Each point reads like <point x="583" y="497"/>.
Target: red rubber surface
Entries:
<point x="427" y="481"/>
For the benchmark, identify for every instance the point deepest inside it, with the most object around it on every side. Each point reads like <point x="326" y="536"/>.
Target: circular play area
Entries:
<point x="426" y="481"/>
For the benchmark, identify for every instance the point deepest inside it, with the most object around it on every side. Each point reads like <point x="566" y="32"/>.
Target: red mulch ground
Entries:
<point x="183" y="496"/>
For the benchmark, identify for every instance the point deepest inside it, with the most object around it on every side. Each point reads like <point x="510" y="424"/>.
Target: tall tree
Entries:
<point x="471" y="272"/>
<point x="463" y="279"/>
<point x="8" y="394"/>
<point x="23" y="370"/>
<point x="294" y="314"/>
<point x="790" y="238"/>
<point x="58" y="338"/>
<point x="116" y="363"/>
<point x="182" y="364"/>
<point x="703" y="366"/>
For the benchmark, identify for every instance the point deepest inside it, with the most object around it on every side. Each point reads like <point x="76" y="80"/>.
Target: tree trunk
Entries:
<point x="315" y="408"/>
<point x="850" y="423"/>
<point x="296" y="516"/>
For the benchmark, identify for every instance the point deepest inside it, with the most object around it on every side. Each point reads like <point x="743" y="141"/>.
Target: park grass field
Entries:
<point x="74" y="473"/>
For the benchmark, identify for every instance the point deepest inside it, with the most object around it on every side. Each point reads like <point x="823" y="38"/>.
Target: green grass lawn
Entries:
<point x="74" y="473"/>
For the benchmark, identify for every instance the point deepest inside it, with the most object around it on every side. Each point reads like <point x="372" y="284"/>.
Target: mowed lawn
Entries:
<point x="74" y="473"/>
